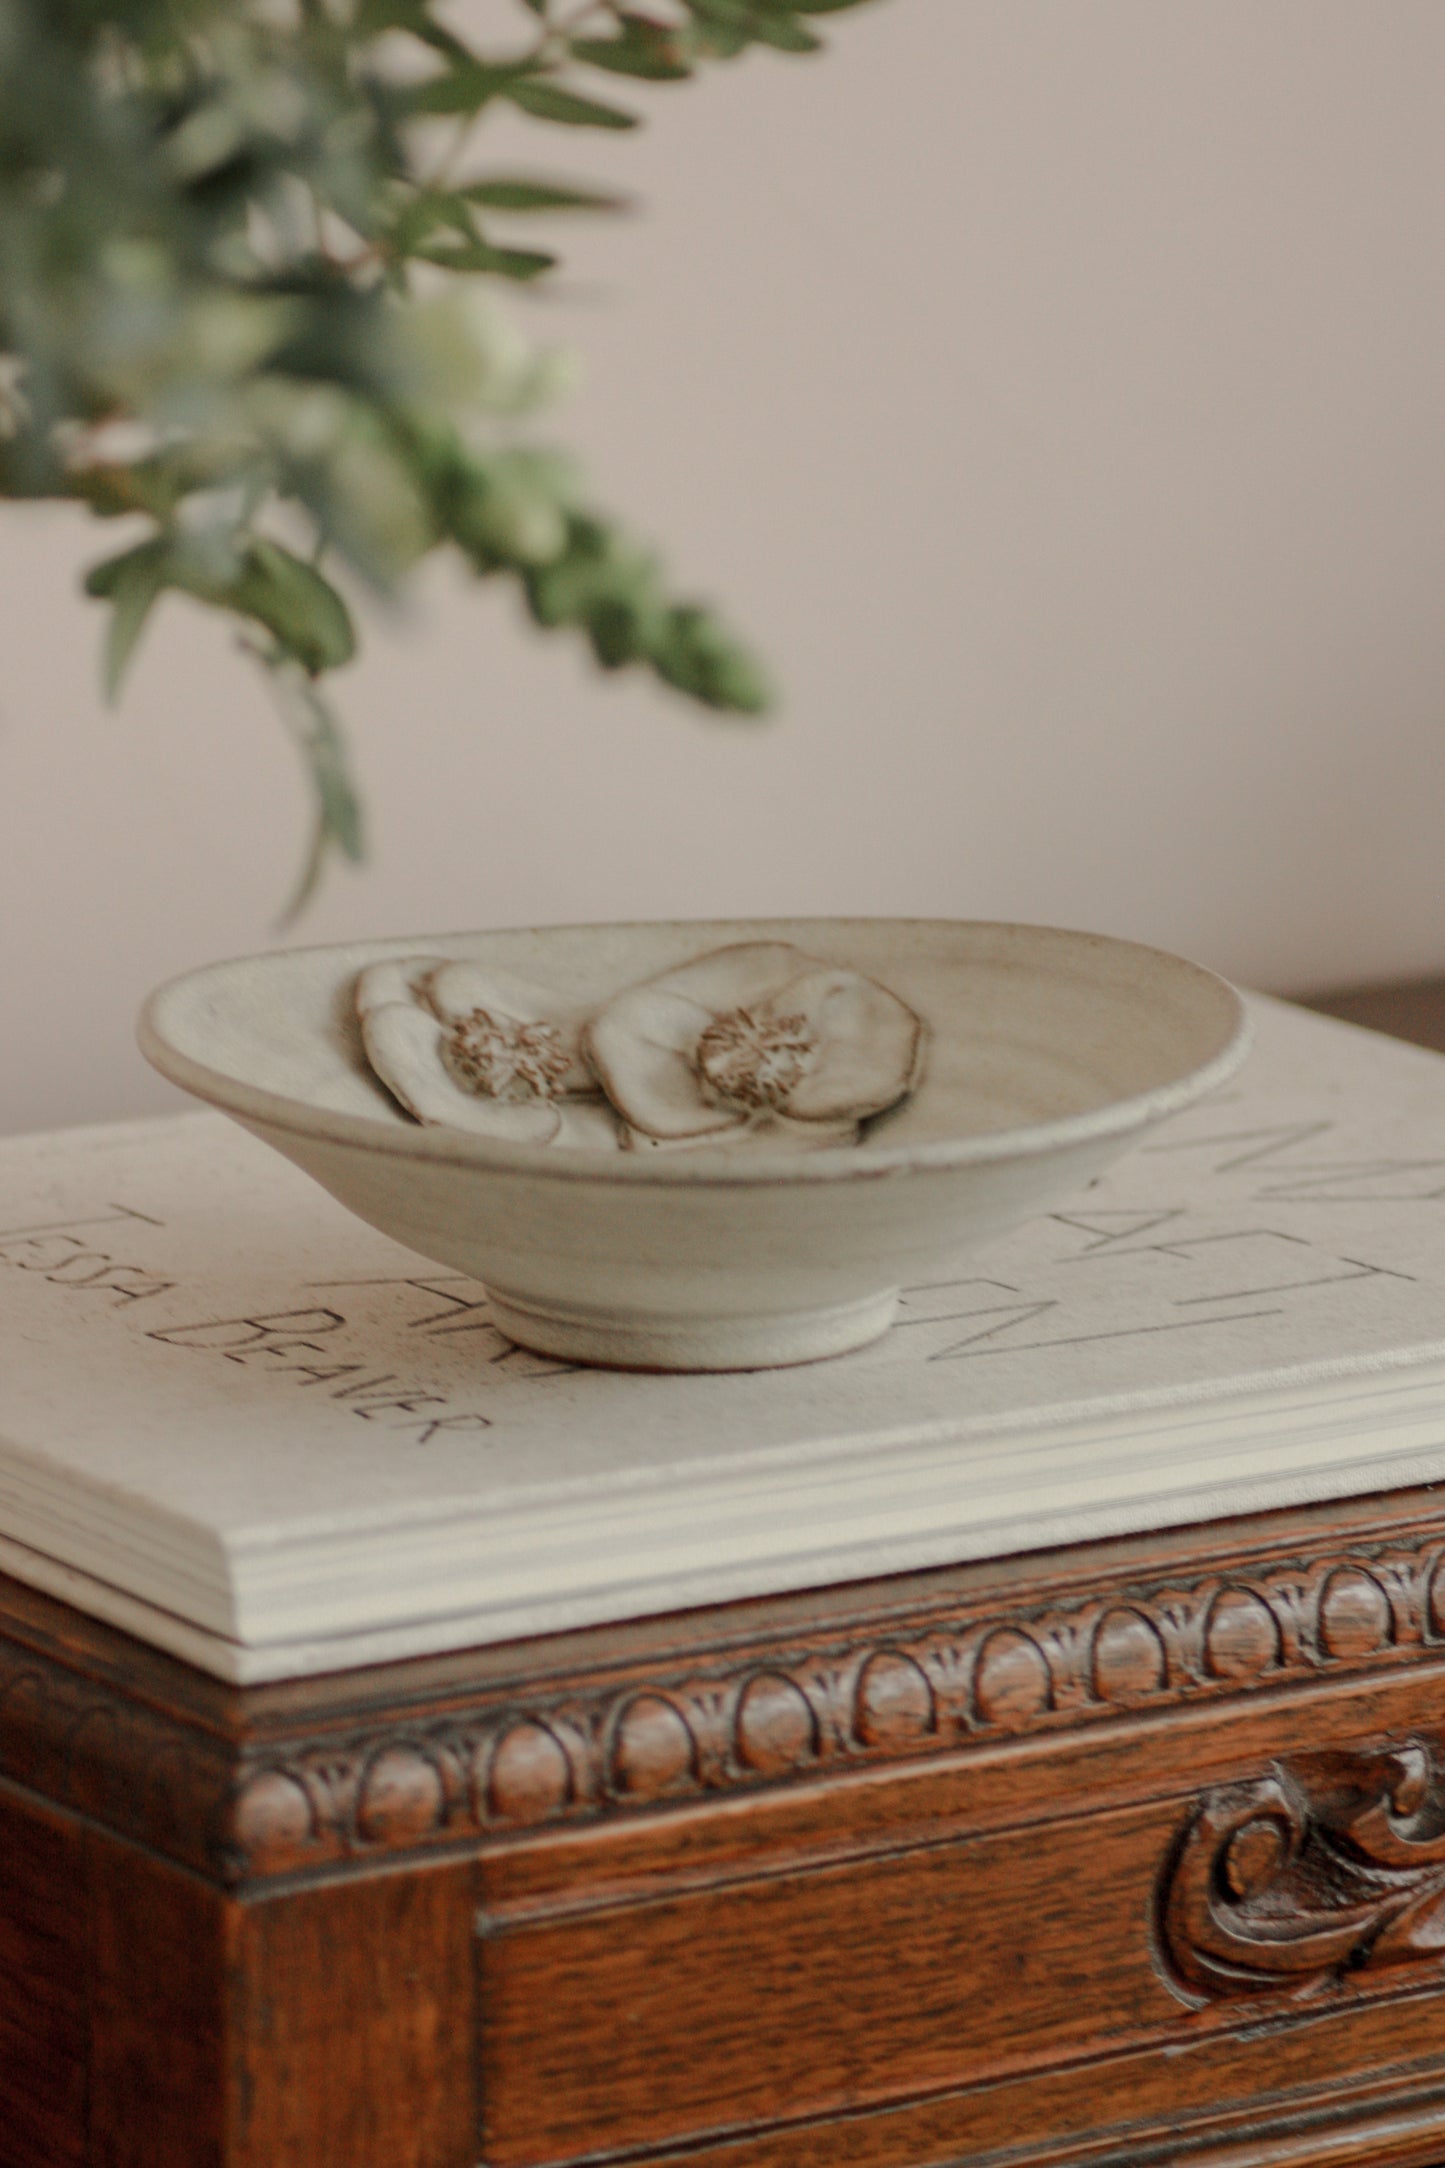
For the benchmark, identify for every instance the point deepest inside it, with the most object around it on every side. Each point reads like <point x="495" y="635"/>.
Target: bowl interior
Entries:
<point x="1026" y="1025"/>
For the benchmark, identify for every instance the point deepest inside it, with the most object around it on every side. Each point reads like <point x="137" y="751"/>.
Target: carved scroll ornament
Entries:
<point x="1333" y="1863"/>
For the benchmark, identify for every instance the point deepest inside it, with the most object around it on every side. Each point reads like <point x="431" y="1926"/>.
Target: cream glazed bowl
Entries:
<point x="710" y="1145"/>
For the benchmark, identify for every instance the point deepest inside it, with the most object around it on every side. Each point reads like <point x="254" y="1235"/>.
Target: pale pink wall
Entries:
<point x="1056" y="390"/>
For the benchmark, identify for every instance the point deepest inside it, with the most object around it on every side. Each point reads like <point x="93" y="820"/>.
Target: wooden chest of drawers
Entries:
<point x="1127" y="1853"/>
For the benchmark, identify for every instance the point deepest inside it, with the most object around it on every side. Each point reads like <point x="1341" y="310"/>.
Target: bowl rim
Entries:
<point x="702" y="1167"/>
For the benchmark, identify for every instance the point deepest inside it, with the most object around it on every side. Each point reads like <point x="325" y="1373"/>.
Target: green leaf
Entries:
<point x="502" y="193"/>
<point x="621" y="631"/>
<point x="763" y="22"/>
<point x="732" y="14"/>
<point x="506" y="508"/>
<point x="547" y="101"/>
<point x="102" y="580"/>
<point x="131" y="606"/>
<point x="322" y="747"/>
<point x="372" y="17"/>
<point x="131" y="584"/>
<point x="644" y="48"/>
<point x="700" y="658"/>
<point x="605" y="585"/>
<point x="621" y="59"/>
<point x="480" y="256"/>
<point x="299" y="608"/>
<point x="578" y="580"/>
<point x="149" y="485"/>
<point x="721" y="41"/>
<point x="783" y="33"/>
<point x="824" y="7"/>
<point x="467" y="87"/>
<point x="423" y="213"/>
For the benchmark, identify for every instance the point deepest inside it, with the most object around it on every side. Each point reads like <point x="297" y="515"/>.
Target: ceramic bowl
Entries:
<point x="1045" y="1054"/>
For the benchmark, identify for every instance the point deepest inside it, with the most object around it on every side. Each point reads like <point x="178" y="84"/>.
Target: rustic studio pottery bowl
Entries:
<point x="1038" y="1056"/>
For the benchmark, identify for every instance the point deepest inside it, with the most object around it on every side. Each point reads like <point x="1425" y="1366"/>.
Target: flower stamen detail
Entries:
<point x="753" y="1062"/>
<point x="500" y="1059"/>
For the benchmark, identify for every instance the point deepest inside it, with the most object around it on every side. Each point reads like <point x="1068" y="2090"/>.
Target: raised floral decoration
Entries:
<point x="756" y="1044"/>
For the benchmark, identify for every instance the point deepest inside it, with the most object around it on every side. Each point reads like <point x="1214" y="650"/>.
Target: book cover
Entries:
<point x="252" y="1430"/>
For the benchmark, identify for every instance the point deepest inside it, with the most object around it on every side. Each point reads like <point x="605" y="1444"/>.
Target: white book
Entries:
<point x="249" y="1429"/>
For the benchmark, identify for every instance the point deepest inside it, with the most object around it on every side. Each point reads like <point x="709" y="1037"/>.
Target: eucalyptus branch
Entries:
<point x="210" y="212"/>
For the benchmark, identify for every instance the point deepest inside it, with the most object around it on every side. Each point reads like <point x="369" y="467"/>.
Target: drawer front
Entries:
<point x="1238" y="1914"/>
<point x="805" y="1993"/>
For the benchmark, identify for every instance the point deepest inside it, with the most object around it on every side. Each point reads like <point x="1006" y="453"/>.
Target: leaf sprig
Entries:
<point x="247" y="301"/>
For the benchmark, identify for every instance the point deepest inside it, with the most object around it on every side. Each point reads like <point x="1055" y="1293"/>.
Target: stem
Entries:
<point x="313" y="731"/>
<point x="309" y="878"/>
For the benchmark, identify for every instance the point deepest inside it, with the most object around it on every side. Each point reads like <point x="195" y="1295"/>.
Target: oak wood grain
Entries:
<point x="1295" y="2114"/>
<point x="158" y="2086"/>
<point x="352" y="2025"/>
<point x="821" y="1991"/>
<point x="44" y="2035"/>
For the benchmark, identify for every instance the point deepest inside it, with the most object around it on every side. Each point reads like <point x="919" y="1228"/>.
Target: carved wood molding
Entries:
<point x="94" y="1750"/>
<point x="778" y="1716"/>
<point x="1331" y="1864"/>
<point x="646" y="1735"/>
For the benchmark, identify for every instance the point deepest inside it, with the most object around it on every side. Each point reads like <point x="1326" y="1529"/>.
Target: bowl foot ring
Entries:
<point x="766" y="1341"/>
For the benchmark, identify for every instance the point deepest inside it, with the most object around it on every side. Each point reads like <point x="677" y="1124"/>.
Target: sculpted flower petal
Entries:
<point x="398" y="978"/>
<point x="457" y="992"/>
<point x="660" y="1015"/>
<point x="641" y="1048"/>
<point x="643" y="1044"/>
<point x="454" y="989"/>
<point x="734" y="977"/>
<point x="755" y="1031"/>
<point x="403" y="1045"/>
<point x="869" y="1046"/>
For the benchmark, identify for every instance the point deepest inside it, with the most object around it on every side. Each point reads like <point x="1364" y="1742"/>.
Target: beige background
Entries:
<point x="1053" y="387"/>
